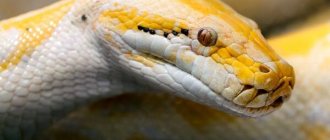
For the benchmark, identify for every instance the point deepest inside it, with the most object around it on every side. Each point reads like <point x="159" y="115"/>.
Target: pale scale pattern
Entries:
<point x="67" y="69"/>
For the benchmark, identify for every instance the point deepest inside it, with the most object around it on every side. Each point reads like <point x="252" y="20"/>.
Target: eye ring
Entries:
<point x="207" y="36"/>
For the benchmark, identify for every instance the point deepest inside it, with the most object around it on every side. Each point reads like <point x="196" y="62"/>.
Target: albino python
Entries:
<point x="55" y="59"/>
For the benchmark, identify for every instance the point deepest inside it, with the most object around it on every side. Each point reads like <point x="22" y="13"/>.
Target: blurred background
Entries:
<point x="9" y="8"/>
<point x="272" y="15"/>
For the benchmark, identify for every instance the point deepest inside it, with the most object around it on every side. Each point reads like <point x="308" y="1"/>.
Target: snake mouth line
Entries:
<point x="263" y="99"/>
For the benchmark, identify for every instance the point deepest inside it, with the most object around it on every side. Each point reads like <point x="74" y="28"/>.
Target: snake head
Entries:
<point x="200" y="50"/>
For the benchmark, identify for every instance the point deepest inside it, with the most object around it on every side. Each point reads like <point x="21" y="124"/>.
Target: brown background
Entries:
<point x="268" y="13"/>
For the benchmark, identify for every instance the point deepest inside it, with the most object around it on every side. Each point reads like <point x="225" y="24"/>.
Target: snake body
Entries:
<point x="151" y="116"/>
<point x="57" y="58"/>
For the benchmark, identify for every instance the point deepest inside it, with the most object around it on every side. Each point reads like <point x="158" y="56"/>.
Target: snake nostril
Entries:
<point x="264" y="69"/>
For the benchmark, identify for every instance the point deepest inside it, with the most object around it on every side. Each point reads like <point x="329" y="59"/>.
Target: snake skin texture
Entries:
<point x="161" y="116"/>
<point x="76" y="51"/>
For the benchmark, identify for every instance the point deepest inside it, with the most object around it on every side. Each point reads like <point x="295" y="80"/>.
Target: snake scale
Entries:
<point x="161" y="116"/>
<point x="58" y="58"/>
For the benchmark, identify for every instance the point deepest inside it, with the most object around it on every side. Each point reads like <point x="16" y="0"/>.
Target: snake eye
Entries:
<point x="207" y="36"/>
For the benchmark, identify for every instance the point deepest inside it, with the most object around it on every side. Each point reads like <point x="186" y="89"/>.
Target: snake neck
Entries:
<point x="64" y="67"/>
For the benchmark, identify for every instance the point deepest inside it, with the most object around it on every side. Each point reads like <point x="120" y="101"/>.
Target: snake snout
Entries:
<point x="271" y="88"/>
<point x="284" y="85"/>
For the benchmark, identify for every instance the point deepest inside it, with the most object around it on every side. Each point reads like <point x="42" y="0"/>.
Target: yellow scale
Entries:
<point x="35" y="28"/>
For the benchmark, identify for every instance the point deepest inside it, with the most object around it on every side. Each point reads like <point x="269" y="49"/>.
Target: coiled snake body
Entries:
<point x="57" y="58"/>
